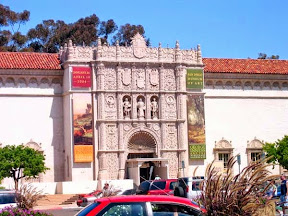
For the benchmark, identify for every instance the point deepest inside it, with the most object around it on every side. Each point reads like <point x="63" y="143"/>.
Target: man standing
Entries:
<point x="284" y="194"/>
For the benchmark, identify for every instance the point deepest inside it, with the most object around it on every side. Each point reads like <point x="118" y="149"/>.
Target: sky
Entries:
<point x="223" y="28"/>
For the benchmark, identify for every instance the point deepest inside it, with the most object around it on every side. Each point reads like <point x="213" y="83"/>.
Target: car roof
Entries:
<point x="147" y="198"/>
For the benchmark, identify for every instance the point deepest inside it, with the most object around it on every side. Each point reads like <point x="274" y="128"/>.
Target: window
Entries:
<point x="124" y="209"/>
<point x="173" y="210"/>
<point x="224" y="157"/>
<point x="159" y="185"/>
<point x="255" y="156"/>
<point x="254" y="150"/>
<point x="172" y="185"/>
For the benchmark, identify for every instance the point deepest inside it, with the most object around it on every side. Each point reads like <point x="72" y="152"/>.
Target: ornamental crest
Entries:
<point x="139" y="46"/>
<point x="126" y="76"/>
<point x="154" y="77"/>
<point x="140" y="80"/>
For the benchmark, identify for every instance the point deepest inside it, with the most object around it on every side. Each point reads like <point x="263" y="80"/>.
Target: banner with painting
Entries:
<point x="82" y="127"/>
<point x="196" y="126"/>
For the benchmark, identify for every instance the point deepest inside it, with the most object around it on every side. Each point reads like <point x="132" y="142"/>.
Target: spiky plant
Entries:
<point x="242" y="194"/>
<point x="28" y="196"/>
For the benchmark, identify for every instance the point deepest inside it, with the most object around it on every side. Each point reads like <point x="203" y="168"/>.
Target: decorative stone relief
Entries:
<point x="171" y="137"/>
<point x="139" y="46"/>
<point x="109" y="52"/>
<point x="140" y="79"/>
<point x="110" y="106"/>
<point x="170" y="111"/>
<point x="255" y="144"/>
<point x="127" y="127"/>
<point x="84" y="52"/>
<point x="110" y="79"/>
<point x="112" y="165"/>
<point x="126" y="76"/>
<point x="170" y="80"/>
<point x="223" y="144"/>
<point x="111" y="137"/>
<point x="153" y="76"/>
<point x="173" y="163"/>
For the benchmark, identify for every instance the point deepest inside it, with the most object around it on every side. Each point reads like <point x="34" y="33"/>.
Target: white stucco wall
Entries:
<point x="36" y="114"/>
<point x="240" y="116"/>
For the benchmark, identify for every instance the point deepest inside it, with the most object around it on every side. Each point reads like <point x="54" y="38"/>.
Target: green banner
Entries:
<point x="197" y="151"/>
<point x="196" y="126"/>
<point x="194" y="79"/>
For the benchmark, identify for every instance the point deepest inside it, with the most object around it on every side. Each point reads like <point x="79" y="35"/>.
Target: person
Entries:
<point x="127" y="108"/>
<point x="272" y="190"/>
<point x="157" y="177"/>
<point x="141" y="108"/>
<point x="284" y="194"/>
<point x="154" y="108"/>
<point x="106" y="190"/>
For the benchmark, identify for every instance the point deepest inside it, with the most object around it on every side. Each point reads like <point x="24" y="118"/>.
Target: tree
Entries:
<point x="19" y="162"/>
<point x="126" y="32"/>
<point x="107" y="28"/>
<point x="12" y="40"/>
<point x="264" y="56"/>
<point x="278" y="152"/>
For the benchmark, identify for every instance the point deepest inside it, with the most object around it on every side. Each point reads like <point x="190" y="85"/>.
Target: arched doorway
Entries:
<point x="143" y="162"/>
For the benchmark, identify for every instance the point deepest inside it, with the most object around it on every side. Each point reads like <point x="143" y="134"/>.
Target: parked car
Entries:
<point x="7" y="198"/>
<point x="95" y="193"/>
<point x="188" y="187"/>
<point x="157" y="187"/>
<point x="144" y="205"/>
<point x="90" y="198"/>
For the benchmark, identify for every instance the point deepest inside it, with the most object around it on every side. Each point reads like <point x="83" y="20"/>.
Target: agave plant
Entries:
<point x="242" y="194"/>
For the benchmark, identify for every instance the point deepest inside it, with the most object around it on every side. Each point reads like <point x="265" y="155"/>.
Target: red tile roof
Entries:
<point x="28" y="60"/>
<point x="250" y="66"/>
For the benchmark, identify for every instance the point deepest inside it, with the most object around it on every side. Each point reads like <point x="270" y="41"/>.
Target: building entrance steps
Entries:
<point x="57" y="199"/>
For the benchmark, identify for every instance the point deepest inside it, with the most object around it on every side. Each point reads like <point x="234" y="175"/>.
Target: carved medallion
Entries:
<point x="139" y="46"/>
<point x="140" y="80"/>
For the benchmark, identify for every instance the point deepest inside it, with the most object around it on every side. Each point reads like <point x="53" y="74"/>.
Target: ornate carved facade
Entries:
<point x="140" y="100"/>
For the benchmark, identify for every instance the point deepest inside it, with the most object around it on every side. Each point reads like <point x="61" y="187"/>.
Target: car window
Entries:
<point x="196" y="185"/>
<point x="158" y="185"/>
<point x="89" y="208"/>
<point x="144" y="186"/>
<point x="172" y="185"/>
<point x="160" y="209"/>
<point x="124" y="209"/>
<point x="6" y="198"/>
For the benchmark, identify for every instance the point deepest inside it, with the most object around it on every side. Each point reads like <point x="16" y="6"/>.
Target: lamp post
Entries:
<point x="239" y="161"/>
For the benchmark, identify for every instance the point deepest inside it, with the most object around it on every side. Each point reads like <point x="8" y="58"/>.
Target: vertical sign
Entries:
<point x="82" y="127"/>
<point x="196" y="126"/>
<point x="194" y="79"/>
<point x="81" y="77"/>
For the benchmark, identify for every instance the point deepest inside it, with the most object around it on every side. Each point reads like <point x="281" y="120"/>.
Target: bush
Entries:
<point x="27" y="196"/>
<point x="242" y="194"/>
<point x="12" y="211"/>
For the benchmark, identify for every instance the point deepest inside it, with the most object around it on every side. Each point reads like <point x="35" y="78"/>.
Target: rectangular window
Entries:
<point x="255" y="156"/>
<point x="224" y="157"/>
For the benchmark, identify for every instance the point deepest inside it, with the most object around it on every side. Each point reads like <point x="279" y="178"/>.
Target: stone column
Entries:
<point x="134" y="106"/>
<point x="102" y="154"/>
<point x="122" y="161"/>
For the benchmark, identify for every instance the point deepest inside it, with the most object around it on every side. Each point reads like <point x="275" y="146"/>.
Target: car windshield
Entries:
<point x="158" y="185"/>
<point x="89" y="208"/>
<point x="6" y="198"/>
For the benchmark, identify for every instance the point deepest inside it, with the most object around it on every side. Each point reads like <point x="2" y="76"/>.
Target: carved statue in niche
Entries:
<point x="154" y="109"/>
<point x="126" y="108"/>
<point x="141" y="109"/>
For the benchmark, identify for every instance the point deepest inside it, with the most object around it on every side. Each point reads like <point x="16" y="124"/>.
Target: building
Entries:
<point x="112" y="112"/>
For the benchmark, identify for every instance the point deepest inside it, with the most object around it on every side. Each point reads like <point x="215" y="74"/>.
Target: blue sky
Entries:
<point x="223" y="28"/>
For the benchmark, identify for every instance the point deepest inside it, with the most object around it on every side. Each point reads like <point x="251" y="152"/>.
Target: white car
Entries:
<point x="188" y="187"/>
<point x="7" y="198"/>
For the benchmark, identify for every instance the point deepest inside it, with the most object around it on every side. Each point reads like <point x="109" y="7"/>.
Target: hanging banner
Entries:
<point x="81" y="77"/>
<point x="196" y="126"/>
<point x="194" y="79"/>
<point x="82" y="127"/>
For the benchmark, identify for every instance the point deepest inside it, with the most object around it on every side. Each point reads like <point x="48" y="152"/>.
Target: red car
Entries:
<point x="95" y="193"/>
<point x="157" y="187"/>
<point x="142" y="205"/>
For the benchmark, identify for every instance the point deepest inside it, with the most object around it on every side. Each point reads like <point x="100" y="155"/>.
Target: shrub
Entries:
<point x="28" y="196"/>
<point x="242" y="194"/>
<point x="12" y="211"/>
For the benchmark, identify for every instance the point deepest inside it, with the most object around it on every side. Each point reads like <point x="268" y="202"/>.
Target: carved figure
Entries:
<point x="126" y="108"/>
<point x="154" y="108"/>
<point x="141" y="109"/>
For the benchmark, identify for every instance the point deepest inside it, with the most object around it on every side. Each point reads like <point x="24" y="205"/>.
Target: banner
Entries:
<point x="194" y="79"/>
<point x="196" y="126"/>
<point x="82" y="127"/>
<point x="81" y="77"/>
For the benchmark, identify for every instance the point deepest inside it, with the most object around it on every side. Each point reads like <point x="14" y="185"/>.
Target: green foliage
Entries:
<point x="242" y="194"/>
<point x="278" y="152"/>
<point x="264" y="56"/>
<point x="19" y="162"/>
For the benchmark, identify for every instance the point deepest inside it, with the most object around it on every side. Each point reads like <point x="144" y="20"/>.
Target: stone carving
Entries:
<point x="110" y="79"/>
<point x="112" y="165"/>
<point x="139" y="46"/>
<point x="111" y="137"/>
<point x="170" y="107"/>
<point x="140" y="79"/>
<point x="127" y="127"/>
<point x="110" y="101"/>
<point x="126" y="108"/>
<point x="170" y="80"/>
<point x="255" y="144"/>
<point x="173" y="163"/>
<point x="84" y="52"/>
<point x="154" y="109"/>
<point x="171" y="137"/>
<point x="141" y="109"/>
<point x="110" y="107"/>
<point x="154" y="77"/>
<point x="126" y="76"/>
<point x="223" y="144"/>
